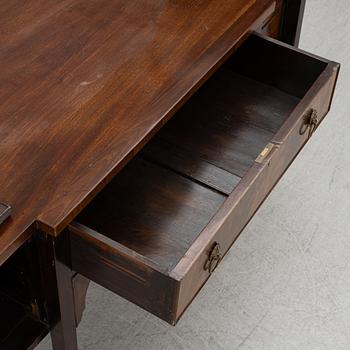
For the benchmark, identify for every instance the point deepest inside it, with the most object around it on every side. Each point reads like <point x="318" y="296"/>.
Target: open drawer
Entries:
<point x="160" y="228"/>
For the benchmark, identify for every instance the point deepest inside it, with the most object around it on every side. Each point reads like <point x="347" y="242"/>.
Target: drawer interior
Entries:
<point x="216" y="137"/>
<point x="161" y="201"/>
<point x="153" y="211"/>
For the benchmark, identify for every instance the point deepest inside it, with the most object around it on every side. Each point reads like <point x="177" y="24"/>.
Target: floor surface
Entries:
<point x="285" y="284"/>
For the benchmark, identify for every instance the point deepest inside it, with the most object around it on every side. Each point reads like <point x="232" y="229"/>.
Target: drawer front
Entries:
<point x="253" y="188"/>
<point x="122" y="271"/>
<point x="299" y="128"/>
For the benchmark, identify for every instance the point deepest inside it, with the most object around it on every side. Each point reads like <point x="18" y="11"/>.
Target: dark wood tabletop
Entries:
<point x="84" y="84"/>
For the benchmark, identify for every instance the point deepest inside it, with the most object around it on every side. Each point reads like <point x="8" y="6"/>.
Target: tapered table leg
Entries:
<point x="292" y="21"/>
<point x="59" y="296"/>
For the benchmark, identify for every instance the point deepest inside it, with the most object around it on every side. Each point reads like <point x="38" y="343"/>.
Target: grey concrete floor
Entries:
<point x="285" y="284"/>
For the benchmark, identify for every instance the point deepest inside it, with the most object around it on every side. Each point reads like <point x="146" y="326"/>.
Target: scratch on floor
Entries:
<point x="252" y="331"/>
<point x="331" y="181"/>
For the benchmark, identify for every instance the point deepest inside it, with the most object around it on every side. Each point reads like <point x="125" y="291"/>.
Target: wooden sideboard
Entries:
<point x="138" y="138"/>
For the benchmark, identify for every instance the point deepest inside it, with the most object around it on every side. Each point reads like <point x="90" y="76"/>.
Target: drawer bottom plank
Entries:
<point x="153" y="211"/>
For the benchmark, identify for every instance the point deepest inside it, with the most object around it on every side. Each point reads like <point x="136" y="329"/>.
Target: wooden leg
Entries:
<point x="80" y="287"/>
<point x="63" y="334"/>
<point x="292" y="20"/>
<point x="59" y="295"/>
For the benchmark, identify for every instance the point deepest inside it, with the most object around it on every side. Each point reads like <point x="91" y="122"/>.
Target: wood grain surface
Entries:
<point x="225" y="126"/>
<point x="84" y="84"/>
<point x="157" y="215"/>
<point x="5" y="212"/>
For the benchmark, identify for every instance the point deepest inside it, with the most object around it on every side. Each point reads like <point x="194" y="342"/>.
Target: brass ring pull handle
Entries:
<point x="310" y="122"/>
<point x="214" y="257"/>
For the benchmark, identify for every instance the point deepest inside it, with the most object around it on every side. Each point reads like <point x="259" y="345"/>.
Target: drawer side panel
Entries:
<point x="252" y="190"/>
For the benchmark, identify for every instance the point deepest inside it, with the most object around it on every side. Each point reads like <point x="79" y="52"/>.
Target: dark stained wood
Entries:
<point x="123" y="254"/>
<point x="123" y="271"/>
<point x="152" y="211"/>
<point x="272" y="27"/>
<point x="285" y="24"/>
<point x="18" y="329"/>
<point x="23" y="318"/>
<point x="5" y="212"/>
<point x="291" y="71"/>
<point x="12" y="314"/>
<point x="80" y="287"/>
<point x="293" y="13"/>
<point x="226" y="125"/>
<point x="26" y="335"/>
<point x="253" y="189"/>
<point x="15" y="278"/>
<point x="57" y="285"/>
<point x="21" y="326"/>
<point x="19" y="279"/>
<point x="179" y="160"/>
<point x="85" y="84"/>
